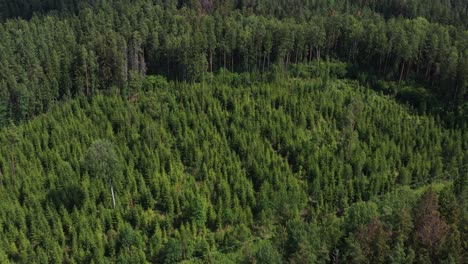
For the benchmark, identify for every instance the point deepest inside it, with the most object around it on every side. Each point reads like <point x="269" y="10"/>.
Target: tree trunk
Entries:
<point x="354" y="50"/>
<point x="455" y="94"/>
<point x="13" y="160"/>
<point x="401" y="73"/>
<point x="418" y="64"/>
<point x="310" y="54"/>
<point x="318" y="55"/>
<point x="168" y="67"/>
<point x="380" y="63"/>
<point x="385" y="64"/>
<point x="87" y="82"/>
<point x="232" y="62"/>
<point x="257" y="60"/>
<point x="211" y="60"/>
<point x="408" y="68"/>
<point x="268" y="61"/>
<point x="297" y="56"/>
<point x="112" y="193"/>
<point x="264" y="60"/>
<point x="427" y="71"/>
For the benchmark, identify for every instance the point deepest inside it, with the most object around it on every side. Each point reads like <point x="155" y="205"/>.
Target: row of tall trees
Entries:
<point x="112" y="47"/>
<point x="445" y="12"/>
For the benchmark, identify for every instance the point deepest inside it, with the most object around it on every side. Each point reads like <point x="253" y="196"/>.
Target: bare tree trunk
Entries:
<point x="112" y="193"/>
<point x="401" y="73"/>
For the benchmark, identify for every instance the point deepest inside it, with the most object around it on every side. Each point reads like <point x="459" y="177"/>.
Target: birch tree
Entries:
<point x="102" y="161"/>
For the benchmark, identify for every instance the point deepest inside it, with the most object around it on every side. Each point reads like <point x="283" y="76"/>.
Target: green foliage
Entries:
<point x="93" y="47"/>
<point x="101" y="160"/>
<point x="233" y="131"/>
<point x="269" y="172"/>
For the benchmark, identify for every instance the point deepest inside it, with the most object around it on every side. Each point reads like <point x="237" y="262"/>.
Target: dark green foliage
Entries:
<point x="109" y="46"/>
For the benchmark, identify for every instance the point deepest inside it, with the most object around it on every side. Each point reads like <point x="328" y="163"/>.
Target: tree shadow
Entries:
<point x="69" y="196"/>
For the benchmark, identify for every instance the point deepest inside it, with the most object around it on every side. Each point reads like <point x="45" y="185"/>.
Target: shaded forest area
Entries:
<point x="111" y="44"/>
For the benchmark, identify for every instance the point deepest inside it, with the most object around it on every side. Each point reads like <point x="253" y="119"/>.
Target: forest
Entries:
<point x="208" y="131"/>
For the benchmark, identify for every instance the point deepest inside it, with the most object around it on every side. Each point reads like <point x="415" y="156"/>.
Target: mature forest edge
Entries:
<point x="233" y="131"/>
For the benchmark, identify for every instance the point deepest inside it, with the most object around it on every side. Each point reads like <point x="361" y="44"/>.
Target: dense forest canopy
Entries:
<point x="210" y="131"/>
<point x="453" y="12"/>
<point x="301" y="167"/>
<point x="49" y="58"/>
